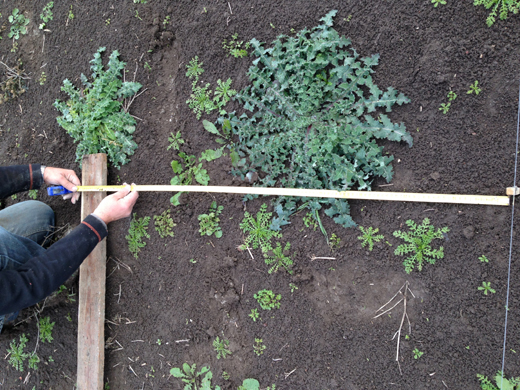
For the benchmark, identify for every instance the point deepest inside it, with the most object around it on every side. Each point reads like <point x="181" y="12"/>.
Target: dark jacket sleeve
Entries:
<point x="42" y="275"/>
<point x="18" y="178"/>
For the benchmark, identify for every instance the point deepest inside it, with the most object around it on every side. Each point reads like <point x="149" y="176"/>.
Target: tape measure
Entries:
<point x="308" y="193"/>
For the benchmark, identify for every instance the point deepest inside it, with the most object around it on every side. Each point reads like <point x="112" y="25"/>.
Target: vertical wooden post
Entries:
<point x="92" y="275"/>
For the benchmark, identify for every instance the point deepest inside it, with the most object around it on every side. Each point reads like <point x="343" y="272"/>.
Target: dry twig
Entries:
<point x="403" y="292"/>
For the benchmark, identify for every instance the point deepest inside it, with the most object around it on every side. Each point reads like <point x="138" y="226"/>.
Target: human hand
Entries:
<point x="64" y="177"/>
<point x="117" y="206"/>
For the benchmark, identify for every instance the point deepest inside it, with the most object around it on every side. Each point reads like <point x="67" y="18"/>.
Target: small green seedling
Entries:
<point x="223" y="94"/>
<point x="483" y="259"/>
<point x="369" y="237"/>
<point x="334" y="242"/>
<point x="293" y="287"/>
<point x="166" y="20"/>
<point x="70" y="15"/>
<point x="505" y="6"/>
<point x="278" y="259"/>
<point x="225" y="375"/>
<point x="259" y="347"/>
<point x="502" y="383"/>
<point x="437" y="2"/>
<point x="234" y="47"/>
<point x="184" y="176"/>
<point x="147" y="66"/>
<point x="445" y="107"/>
<point x="486" y="286"/>
<point x="33" y="194"/>
<point x="16" y="353"/>
<point x="42" y="79"/>
<point x="258" y="230"/>
<point x="164" y="224"/>
<point x="46" y="327"/>
<point x="194" y="69"/>
<point x="175" y="141"/>
<point x="194" y="379"/>
<point x="254" y="315"/>
<point x="418" y="241"/>
<point x="417" y="354"/>
<point x="268" y="300"/>
<point x="137" y="233"/>
<point x="209" y="223"/>
<point x="200" y="101"/>
<point x="310" y="221"/>
<point x="452" y="96"/>
<point x="221" y="348"/>
<point x="46" y="15"/>
<point x="474" y="88"/>
<point x="18" y="24"/>
<point x="250" y="384"/>
<point x="158" y="342"/>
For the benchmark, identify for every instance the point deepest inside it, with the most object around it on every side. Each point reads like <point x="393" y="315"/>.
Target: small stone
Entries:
<point x="469" y="232"/>
<point x="435" y="175"/>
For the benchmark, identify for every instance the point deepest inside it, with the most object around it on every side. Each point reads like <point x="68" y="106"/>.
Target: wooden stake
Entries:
<point x="91" y="316"/>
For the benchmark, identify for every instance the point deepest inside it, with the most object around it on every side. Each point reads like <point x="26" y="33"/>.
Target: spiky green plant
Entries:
<point x="418" y="241"/>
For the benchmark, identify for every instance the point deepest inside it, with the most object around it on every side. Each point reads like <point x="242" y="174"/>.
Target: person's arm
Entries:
<point x="42" y="275"/>
<point x="18" y="178"/>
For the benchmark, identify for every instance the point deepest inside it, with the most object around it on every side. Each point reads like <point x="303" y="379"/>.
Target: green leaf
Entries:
<point x="210" y="127"/>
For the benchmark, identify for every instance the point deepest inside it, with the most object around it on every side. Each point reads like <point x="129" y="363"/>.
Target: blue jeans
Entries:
<point x="23" y="229"/>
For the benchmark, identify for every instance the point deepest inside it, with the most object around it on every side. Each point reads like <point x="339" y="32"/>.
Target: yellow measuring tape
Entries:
<point x="366" y="195"/>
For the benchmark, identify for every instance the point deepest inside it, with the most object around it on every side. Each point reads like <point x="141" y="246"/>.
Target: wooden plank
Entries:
<point x="92" y="275"/>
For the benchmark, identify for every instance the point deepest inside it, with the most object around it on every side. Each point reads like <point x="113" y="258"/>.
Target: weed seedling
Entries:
<point x="137" y="233"/>
<point x="483" y="259"/>
<point x="417" y="354"/>
<point x="278" y="259"/>
<point x="46" y="15"/>
<point x="164" y="224"/>
<point x="234" y="47"/>
<point x="254" y="315"/>
<point x="147" y="66"/>
<point x="502" y="383"/>
<point x="250" y="384"/>
<point x="17" y="356"/>
<point x="369" y="237"/>
<point x="46" y="327"/>
<point x="158" y="342"/>
<point x="208" y="223"/>
<point x="259" y="347"/>
<point x="334" y="242"/>
<point x="418" y="241"/>
<point x="200" y="101"/>
<point x="445" y="107"/>
<point x="175" y="141"/>
<point x="42" y="79"/>
<point x="452" y="96"/>
<point x="194" y="69"/>
<point x="293" y="287"/>
<point x="258" y="231"/>
<point x="474" y="88"/>
<point x="506" y="6"/>
<point x="95" y="117"/>
<point x="70" y="15"/>
<point x="486" y="286"/>
<point x="166" y="20"/>
<point x="437" y="2"/>
<point x="18" y="24"/>
<point x="33" y="194"/>
<point x="310" y="221"/>
<point x="268" y="300"/>
<point x="184" y="176"/>
<point x="194" y="380"/>
<point x="221" y="347"/>
<point x="223" y="94"/>
<point x="225" y="375"/>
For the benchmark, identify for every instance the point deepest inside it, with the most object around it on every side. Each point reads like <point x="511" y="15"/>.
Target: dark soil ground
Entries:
<point x="168" y="310"/>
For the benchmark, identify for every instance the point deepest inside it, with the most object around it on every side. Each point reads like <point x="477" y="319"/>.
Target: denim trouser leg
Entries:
<point x="23" y="227"/>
